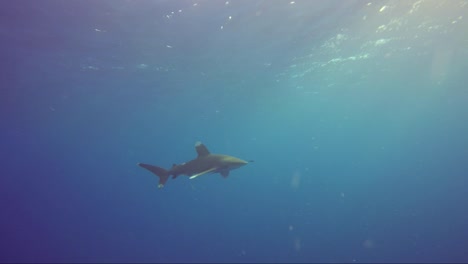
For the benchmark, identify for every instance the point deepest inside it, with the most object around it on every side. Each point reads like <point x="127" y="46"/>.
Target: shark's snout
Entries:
<point x="235" y="163"/>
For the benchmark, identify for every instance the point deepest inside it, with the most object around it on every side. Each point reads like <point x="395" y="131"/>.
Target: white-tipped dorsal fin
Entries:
<point x="201" y="149"/>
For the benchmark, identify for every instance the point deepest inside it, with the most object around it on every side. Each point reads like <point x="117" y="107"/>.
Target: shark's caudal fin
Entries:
<point x="160" y="172"/>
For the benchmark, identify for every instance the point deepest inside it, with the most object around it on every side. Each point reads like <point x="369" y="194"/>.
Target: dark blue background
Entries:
<point x="356" y="160"/>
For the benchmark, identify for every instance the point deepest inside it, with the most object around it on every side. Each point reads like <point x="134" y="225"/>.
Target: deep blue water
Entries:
<point x="355" y="112"/>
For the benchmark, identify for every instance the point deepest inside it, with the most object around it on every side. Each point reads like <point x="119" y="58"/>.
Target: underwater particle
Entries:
<point x="342" y="195"/>
<point x="415" y="6"/>
<point x="296" y="180"/>
<point x="169" y="46"/>
<point x="90" y="67"/>
<point x="142" y="66"/>
<point x="227" y="3"/>
<point x="51" y="108"/>
<point x="381" y="28"/>
<point x="383" y="8"/>
<point x="292" y="2"/>
<point x="222" y="27"/>
<point x="291" y="227"/>
<point x="195" y="4"/>
<point x="368" y="243"/>
<point x="230" y="17"/>
<point x="297" y="244"/>
<point x="381" y="42"/>
<point x="340" y="36"/>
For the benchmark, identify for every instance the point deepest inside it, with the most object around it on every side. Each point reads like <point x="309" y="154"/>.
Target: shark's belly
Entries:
<point x="198" y="165"/>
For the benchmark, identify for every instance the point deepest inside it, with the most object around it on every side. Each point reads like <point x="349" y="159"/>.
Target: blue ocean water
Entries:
<point x="355" y="112"/>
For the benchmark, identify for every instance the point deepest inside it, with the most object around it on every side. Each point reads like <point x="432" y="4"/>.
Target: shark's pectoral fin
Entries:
<point x="224" y="173"/>
<point x="201" y="173"/>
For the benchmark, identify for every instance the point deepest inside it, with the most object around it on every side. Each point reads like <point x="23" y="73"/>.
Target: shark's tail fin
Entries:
<point x="160" y="172"/>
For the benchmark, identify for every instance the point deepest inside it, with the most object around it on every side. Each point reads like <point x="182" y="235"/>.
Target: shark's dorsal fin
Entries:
<point x="201" y="173"/>
<point x="201" y="149"/>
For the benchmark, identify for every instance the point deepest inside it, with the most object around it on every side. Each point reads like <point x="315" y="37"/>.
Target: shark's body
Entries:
<point x="204" y="163"/>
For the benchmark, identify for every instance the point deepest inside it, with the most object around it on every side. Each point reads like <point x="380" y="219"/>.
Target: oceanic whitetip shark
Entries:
<point x="204" y="163"/>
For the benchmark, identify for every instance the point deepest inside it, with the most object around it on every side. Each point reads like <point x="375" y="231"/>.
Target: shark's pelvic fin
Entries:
<point x="201" y="173"/>
<point x="224" y="173"/>
<point x="160" y="172"/>
<point x="201" y="149"/>
<point x="172" y="169"/>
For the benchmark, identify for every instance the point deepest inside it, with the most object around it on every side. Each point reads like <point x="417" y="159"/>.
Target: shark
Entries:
<point x="204" y="163"/>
